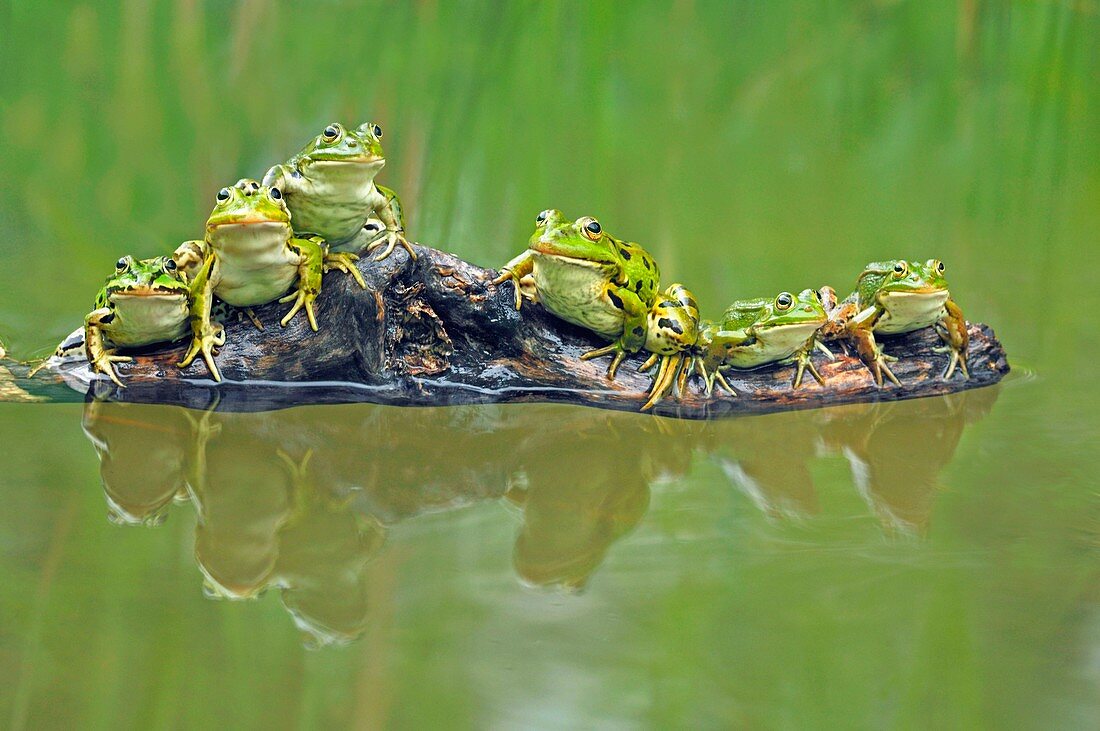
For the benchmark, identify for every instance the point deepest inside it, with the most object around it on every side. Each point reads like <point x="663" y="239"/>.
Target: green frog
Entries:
<point x="756" y="332"/>
<point x="895" y="297"/>
<point x="250" y="257"/>
<point x="585" y="276"/>
<point x="145" y="301"/>
<point x="329" y="187"/>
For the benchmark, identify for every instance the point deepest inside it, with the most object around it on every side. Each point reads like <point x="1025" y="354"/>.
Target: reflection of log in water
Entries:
<point x="302" y="500"/>
<point x="436" y="332"/>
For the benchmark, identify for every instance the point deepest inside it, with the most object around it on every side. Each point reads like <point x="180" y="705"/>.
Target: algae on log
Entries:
<point x="435" y="331"/>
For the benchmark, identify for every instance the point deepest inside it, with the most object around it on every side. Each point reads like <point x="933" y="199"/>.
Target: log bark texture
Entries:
<point x="435" y="331"/>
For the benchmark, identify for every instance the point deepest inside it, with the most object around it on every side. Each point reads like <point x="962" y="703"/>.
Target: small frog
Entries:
<point x="330" y="189"/>
<point x="895" y="297"/>
<point x="144" y="302"/>
<point x="250" y="257"/>
<point x="756" y="332"/>
<point x="585" y="276"/>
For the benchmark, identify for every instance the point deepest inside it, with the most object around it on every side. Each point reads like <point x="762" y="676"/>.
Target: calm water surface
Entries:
<point x="933" y="563"/>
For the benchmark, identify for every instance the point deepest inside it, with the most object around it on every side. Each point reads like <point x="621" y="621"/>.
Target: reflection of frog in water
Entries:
<point x="896" y="451"/>
<point x="569" y="524"/>
<point x="315" y="494"/>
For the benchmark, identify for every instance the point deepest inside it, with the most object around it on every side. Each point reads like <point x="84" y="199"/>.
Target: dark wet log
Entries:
<point x="434" y="332"/>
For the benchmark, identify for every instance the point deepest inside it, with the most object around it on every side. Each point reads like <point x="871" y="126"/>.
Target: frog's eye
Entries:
<point x="331" y="133"/>
<point x="784" y="301"/>
<point x="276" y="194"/>
<point x="901" y="269"/>
<point x="938" y="266"/>
<point x="377" y="131"/>
<point x="170" y="265"/>
<point x="593" y="229"/>
<point x="223" y="195"/>
<point x="122" y="264"/>
<point x="541" y="218"/>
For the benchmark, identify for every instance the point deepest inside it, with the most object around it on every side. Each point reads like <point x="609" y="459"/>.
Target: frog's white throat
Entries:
<point x="246" y="239"/>
<point x="908" y="311"/>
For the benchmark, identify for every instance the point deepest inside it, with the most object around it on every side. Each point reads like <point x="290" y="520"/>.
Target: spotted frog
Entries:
<point x="585" y="276"/>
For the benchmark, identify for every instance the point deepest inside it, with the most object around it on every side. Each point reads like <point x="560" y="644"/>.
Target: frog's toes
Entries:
<point x="389" y="240"/>
<point x="507" y="275"/>
<point x="879" y="368"/>
<point x="614" y="350"/>
<point x="806" y="363"/>
<point x="344" y="262"/>
<point x="667" y="376"/>
<point x="206" y="344"/>
<point x="104" y="363"/>
<point x="303" y="299"/>
<point x="957" y="359"/>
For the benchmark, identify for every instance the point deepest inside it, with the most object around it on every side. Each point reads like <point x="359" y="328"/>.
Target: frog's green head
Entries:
<point x="338" y="146"/>
<point x="803" y="310"/>
<point x="583" y="240"/>
<point x="249" y="204"/>
<point x="884" y="281"/>
<point x="157" y="277"/>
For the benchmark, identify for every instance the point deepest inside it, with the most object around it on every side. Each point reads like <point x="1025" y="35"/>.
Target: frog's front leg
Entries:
<point x="634" y="328"/>
<point x="388" y="209"/>
<point x="207" y="335"/>
<point x="861" y="330"/>
<point x="952" y="330"/>
<point x="311" y="264"/>
<point x="514" y="271"/>
<point x="100" y="357"/>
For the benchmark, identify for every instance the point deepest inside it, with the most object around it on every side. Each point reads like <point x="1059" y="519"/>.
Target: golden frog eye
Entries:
<point x="331" y="133"/>
<point x="377" y="131"/>
<point x="784" y="301"/>
<point x="592" y="228"/>
<point x="223" y="195"/>
<point x="938" y="266"/>
<point x="122" y="264"/>
<point x="170" y="265"/>
<point x="541" y="218"/>
<point x="276" y="194"/>
<point x="901" y="269"/>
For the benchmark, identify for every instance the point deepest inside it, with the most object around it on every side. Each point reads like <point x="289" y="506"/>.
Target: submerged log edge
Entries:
<point x="436" y="332"/>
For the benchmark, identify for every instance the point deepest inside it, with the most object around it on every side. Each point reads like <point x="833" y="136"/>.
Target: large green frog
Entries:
<point x="250" y="257"/>
<point x="585" y="276"/>
<point x="329" y="187"/>
<point x="756" y="332"/>
<point x="144" y="302"/>
<point x="895" y="297"/>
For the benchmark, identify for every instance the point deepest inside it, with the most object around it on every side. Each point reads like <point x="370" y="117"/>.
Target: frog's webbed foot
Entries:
<point x="206" y="343"/>
<point x="389" y="240"/>
<point x="253" y="317"/>
<point x="303" y="299"/>
<point x="617" y="353"/>
<point x="345" y="263"/>
<point x="806" y="363"/>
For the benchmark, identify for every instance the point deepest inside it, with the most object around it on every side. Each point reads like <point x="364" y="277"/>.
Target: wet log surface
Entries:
<point x="436" y="332"/>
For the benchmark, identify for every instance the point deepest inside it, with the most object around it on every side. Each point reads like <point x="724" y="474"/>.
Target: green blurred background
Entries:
<point x="751" y="147"/>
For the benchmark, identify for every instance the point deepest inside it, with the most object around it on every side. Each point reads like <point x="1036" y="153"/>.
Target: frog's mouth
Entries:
<point x="350" y="160"/>
<point x="145" y="292"/>
<point x="793" y="330"/>
<point x="547" y="249"/>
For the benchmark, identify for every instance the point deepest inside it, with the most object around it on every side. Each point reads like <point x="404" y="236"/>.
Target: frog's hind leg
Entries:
<point x="344" y="262"/>
<point x="667" y="375"/>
